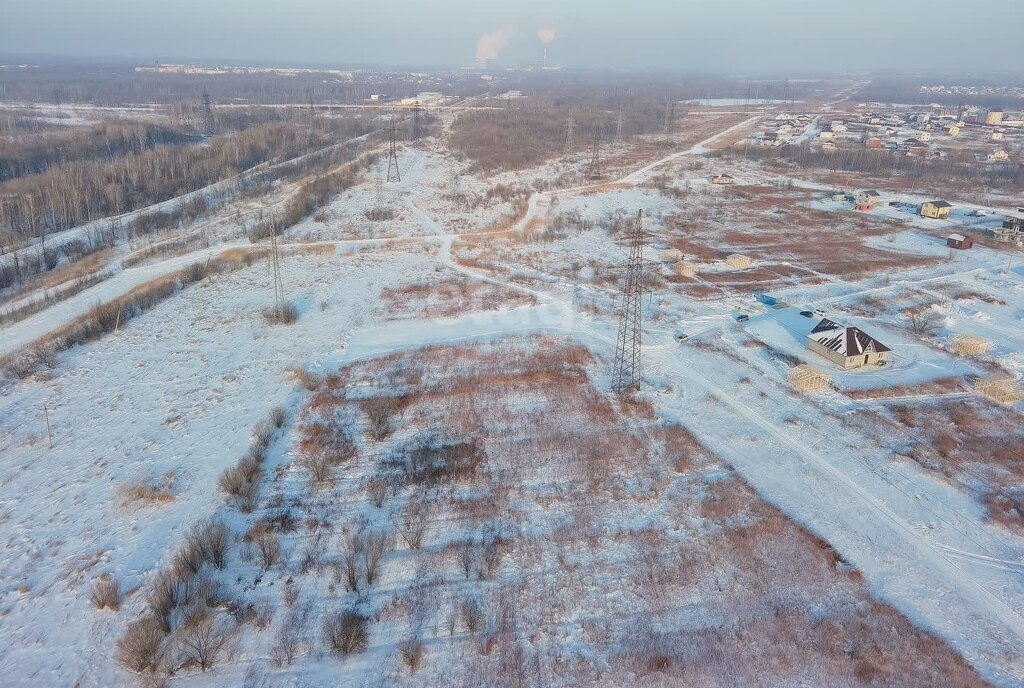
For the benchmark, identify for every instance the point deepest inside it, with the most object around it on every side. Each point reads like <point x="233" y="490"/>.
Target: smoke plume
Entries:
<point x="490" y="45"/>
<point x="546" y="35"/>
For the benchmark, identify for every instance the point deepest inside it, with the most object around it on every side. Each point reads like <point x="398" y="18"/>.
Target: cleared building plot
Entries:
<point x="807" y="378"/>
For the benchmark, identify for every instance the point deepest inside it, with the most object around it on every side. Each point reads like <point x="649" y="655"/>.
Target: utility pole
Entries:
<point x="393" y="174"/>
<point x="594" y="168"/>
<point x="627" y="374"/>
<point x="570" y="143"/>
<point x="275" y="266"/>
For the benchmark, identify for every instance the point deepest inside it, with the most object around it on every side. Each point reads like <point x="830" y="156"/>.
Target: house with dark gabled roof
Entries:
<point x="847" y="347"/>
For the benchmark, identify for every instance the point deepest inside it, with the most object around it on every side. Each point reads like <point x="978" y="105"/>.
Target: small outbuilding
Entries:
<point x="686" y="269"/>
<point x="937" y="210"/>
<point x="961" y="241"/>
<point x="807" y="378"/>
<point x="847" y="347"/>
<point x="867" y="200"/>
<point x="738" y="261"/>
<point x="721" y="179"/>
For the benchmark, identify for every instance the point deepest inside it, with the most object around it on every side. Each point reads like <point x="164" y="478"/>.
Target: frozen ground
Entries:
<point x="177" y="390"/>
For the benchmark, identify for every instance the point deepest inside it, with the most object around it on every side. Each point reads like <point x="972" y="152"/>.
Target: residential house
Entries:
<point x="937" y="210"/>
<point x="847" y="347"/>
<point x="998" y="156"/>
<point x="721" y="179"/>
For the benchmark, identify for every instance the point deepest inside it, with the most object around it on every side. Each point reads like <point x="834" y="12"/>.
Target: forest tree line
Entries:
<point x="28" y="155"/>
<point x="71" y="194"/>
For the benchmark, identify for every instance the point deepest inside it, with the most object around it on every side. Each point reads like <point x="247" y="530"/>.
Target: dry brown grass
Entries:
<point x="449" y="298"/>
<point x="631" y="519"/>
<point x="942" y="385"/>
<point x="149" y="492"/>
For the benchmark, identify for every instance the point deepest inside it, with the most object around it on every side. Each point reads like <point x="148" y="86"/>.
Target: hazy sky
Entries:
<point x="670" y="34"/>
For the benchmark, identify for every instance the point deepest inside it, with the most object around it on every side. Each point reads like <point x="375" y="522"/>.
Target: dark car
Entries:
<point x="742" y="317"/>
<point x="807" y="314"/>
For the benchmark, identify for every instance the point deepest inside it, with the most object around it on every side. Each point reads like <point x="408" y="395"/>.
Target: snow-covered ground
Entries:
<point x="173" y="395"/>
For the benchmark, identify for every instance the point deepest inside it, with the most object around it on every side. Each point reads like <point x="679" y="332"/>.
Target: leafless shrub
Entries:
<point x="262" y="435"/>
<point x="375" y="546"/>
<point x="319" y="467"/>
<point x="142" y="647"/>
<point x="377" y="490"/>
<point x="414" y="524"/>
<point x="255" y="676"/>
<point x="204" y="639"/>
<point x="379" y="412"/>
<point x="286" y="314"/>
<point x="923" y="321"/>
<point x="189" y="558"/>
<point x="278" y="415"/>
<point x="269" y="547"/>
<point x="106" y="593"/>
<point x="472" y="615"/>
<point x="312" y="554"/>
<point x="467" y="556"/>
<point x="379" y="214"/>
<point x="345" y="632"/>
<point x="288" y="642"/>
<point x="411" y="650"/>
<point x="241" y="481"/>
<point x="308" y="379"/>
<point x="170" y="589"/>
<point x="291" y="593"/>
<point x="354" y="546"/>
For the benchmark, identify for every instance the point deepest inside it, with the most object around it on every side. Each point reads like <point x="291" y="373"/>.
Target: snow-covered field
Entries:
<point x="171" y="399"/>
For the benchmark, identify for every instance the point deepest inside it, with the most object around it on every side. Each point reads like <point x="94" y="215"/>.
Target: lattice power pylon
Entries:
<point x="570" y="142"/>
<point x="619" y="126"/>
<point x="393" y="174"/>
<point x="627" y="374"/>
<point x="594" y="168"/>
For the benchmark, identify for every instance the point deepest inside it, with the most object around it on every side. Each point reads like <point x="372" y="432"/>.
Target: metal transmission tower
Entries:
<point x="594" y="168"/>
<point x="393" y="174"/>
<point x="619" y="126"/>
<point x="208" y="123"/>
<point x="627" y="372"/>
<point x="670" y="119"/>
<point x="275" y="266"/>
<point x="570" y="143"/>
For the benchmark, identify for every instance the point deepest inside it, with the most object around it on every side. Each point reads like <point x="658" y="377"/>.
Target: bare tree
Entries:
<point x="142" y="647"/>
<point x="204" y="639"/>
<point x="413" y="526"/>
<point x="376" y="546"/>
<point x="345" y="632"/>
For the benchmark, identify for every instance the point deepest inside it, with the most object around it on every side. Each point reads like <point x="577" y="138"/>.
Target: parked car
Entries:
<point x="807" y="314"/>
<point x="681" y="337"/>
<point x="742" y="317"/>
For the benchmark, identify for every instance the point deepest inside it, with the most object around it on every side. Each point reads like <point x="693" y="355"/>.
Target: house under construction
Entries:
<point x="807" y="378"/>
